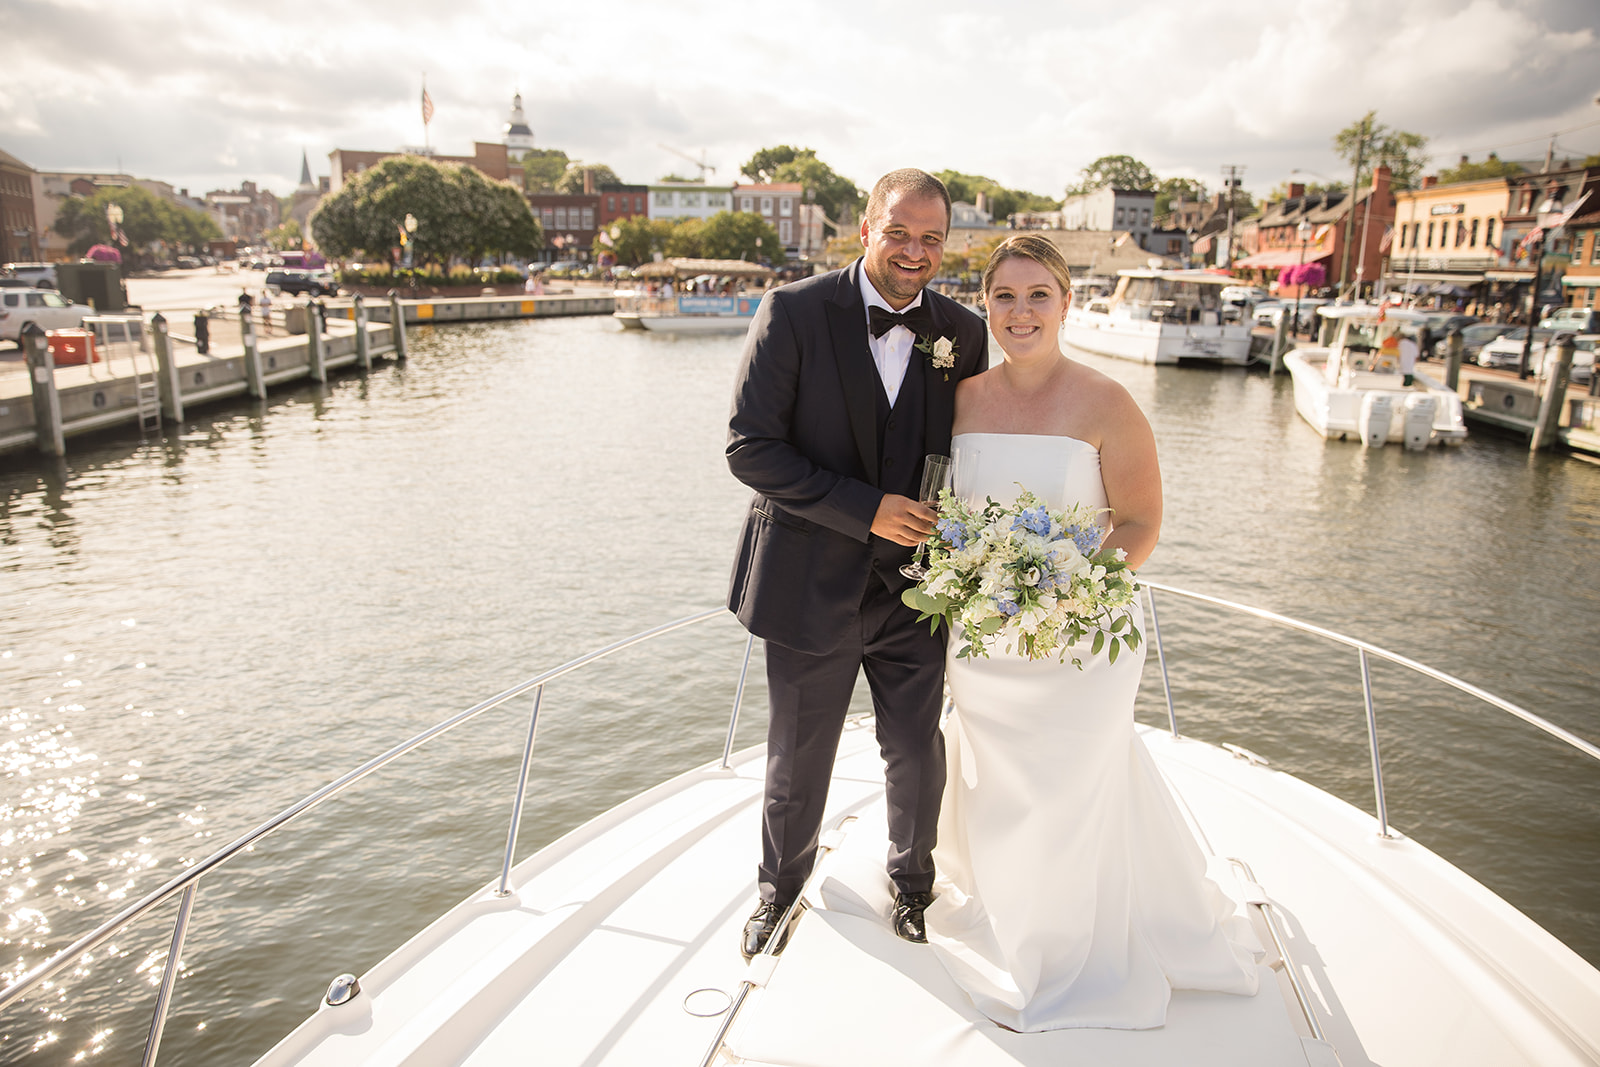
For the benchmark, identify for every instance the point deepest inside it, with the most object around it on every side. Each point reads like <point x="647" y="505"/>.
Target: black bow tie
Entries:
<point x="917" y="320"/>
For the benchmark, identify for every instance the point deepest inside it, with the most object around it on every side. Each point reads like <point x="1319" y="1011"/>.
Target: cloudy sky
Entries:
<point x="204" y="95"/>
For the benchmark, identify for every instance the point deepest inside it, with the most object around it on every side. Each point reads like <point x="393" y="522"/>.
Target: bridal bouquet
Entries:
<point x="1027" y="580"/>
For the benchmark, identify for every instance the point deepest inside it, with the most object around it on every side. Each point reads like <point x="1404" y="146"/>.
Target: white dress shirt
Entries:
<point x="892" y="351"/>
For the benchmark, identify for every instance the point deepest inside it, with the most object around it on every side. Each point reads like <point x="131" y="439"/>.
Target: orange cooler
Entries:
<point x="72" y="346"/>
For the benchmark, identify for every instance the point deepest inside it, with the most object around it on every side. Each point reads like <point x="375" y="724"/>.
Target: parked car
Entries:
<point x="1268" y="313"/>
<point x="188" y="263"/>
<point x="48" y="309"/>
<point x="1583" y="358"/>
<point x="1474" y="337"/>
<point x="298" y="282"/>
<point x="1573" y="320"/>
<point x="1506" y="350"/>
<point x="1240" y="301"/>
<point x="38" y="275"/>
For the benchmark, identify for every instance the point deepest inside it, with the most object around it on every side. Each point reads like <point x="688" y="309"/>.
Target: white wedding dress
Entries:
<point x="1071" y="893"/>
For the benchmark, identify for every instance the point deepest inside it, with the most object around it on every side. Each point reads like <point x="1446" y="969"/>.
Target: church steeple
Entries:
<point x="305" y="172"/>
<point x="519" y="137"/>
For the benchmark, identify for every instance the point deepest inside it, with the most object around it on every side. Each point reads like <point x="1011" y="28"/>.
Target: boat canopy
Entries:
<point x="1204" y="277"/>
<point x="689" y="268"/>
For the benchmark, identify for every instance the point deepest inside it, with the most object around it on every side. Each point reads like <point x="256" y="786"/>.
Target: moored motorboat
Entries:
<point x="1362" y="385"/>
<point x="1159" y="316"/>
<point x="714" y="297"/>
<point x="616" y="943"/>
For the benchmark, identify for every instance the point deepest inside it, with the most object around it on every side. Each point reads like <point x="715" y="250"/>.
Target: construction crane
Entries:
<point x="701" y="162"/>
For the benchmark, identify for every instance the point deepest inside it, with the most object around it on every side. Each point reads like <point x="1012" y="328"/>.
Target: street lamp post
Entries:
<point x="1304" y="232"/>
<point x="1549" y="214"/>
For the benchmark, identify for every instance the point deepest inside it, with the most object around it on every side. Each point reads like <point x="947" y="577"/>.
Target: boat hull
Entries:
<point x="1145" y="341"/>
<point x="632" y="320"/>
<point x="1336" y="412"/>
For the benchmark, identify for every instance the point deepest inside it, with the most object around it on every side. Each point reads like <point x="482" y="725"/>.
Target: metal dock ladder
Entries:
<point x="115" y="335"/>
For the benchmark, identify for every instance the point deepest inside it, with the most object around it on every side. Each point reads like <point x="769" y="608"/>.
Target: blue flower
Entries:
<point x="1006" y="606"/>
<point x="1034" y="520"/>
<point x="1087" y="538"/>
<point x="955" y="533"/>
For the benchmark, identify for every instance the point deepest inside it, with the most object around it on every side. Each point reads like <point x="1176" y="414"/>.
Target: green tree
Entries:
<point x="835" y="194"/>
<point x="1365" y="143"/>
<point x="1281" y="190"/>
<point x="674" y="177"/>
<point x="1002" y="202"/>
<point x="1170" y="189"/>
<point x="458" y="213"/>
<point x="1493" y="167"/>
<point x="1119" y="172"/>
<point x="684" y="240"/>
<point x="637" y="239"/>
<point x="740" y="235"/>
<point x="542" y="168"/>
<point x="572" y="180"/>
<point x="146" y="219"/>
<point x="285" y="235"/>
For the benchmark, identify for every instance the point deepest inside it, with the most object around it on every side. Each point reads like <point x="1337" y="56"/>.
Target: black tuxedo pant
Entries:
<point x="809" y="696"/>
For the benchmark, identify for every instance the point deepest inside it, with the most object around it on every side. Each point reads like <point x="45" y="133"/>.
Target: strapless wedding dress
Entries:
<point x="1071" y="893"/>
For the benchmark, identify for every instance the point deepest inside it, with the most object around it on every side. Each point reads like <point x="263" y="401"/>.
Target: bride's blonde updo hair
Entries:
<point x="1036" y="247"/>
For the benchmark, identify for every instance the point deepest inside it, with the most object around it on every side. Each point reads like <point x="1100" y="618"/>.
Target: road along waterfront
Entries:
<point x="196" y="631"/>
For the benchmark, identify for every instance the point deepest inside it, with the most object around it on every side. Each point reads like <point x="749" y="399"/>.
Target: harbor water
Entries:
<point x="196" y="631"/>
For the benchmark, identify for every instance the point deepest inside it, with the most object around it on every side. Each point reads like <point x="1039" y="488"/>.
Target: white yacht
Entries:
<point x="1160" y="316"/>
<point x="693" y="296"/>
<point x="1363" y="386"/>
<point x="617" y="943"/>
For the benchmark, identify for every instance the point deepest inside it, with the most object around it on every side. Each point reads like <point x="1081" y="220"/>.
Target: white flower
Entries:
<point x="944" y="353"/>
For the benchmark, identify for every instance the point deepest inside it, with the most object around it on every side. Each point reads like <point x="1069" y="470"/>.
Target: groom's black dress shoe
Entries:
<point x="758" y="929"/>
<point x="908" y="919"/>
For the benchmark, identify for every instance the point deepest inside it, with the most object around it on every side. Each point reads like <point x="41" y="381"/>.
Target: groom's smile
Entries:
<point x="905" y="245"/>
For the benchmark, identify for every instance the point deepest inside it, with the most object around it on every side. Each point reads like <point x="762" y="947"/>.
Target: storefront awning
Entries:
<point x="1508" y="275"/>
<point x="1278" y="258"/>
<point x="1429" y="277"/>
<point x="1589" y="281"/>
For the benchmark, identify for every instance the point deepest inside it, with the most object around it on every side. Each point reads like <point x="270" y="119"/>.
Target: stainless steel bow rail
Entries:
<point x="1364" y="651"/>
<point x="187" y="883"/>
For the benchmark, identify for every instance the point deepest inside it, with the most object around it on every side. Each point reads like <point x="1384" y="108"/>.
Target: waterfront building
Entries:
<point x="621" y="201"/>
<point x="688" y="200"/>
<point x="1109" y="208"/>
<point x="307" y="194"/>
<point x="779" y="204"/>
<point x="245" y="214"/>
<point x="51" y="189"/>
<point x="569" y="221"/>
<point x="967" y="216"/>
<point x="1451" y="234"/>
<point x="1280" y="243"/>
<point x="18" y="216"/>
<point x="1581" y="284"/>
<point x="1531" y="198"/>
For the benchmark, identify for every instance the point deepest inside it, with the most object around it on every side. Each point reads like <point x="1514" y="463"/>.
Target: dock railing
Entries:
<point x="185" y="884"/>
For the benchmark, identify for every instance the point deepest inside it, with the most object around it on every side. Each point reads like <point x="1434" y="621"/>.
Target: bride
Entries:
<point x="1070" y="892"/>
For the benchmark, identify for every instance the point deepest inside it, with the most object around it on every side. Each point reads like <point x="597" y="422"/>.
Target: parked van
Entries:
<point x="39" y="275"/>
<point x="1574" y="320"/>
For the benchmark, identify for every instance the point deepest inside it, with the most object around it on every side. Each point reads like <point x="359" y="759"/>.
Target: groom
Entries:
<point x="848" y="380"/>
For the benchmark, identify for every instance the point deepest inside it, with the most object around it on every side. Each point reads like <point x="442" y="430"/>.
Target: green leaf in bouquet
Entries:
<point x="1116" y="627"/>
<point x="991" y="625"/>
<point x="1099" y="642"/>
<point x="1111" y="653"/>
<point x="1133" y="637"/>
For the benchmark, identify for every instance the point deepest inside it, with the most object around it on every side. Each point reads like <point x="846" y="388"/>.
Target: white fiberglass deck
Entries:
<point x="609" y="930"/>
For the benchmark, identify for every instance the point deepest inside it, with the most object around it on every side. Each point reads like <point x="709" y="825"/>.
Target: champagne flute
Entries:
<point x="935" y="476"/>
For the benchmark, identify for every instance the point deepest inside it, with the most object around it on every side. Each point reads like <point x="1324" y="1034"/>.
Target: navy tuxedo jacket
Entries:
<point x="803" y="435"/>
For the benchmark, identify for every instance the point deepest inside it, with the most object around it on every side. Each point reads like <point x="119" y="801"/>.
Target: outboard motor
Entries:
<point x="1377" y="412"/>
<point x="1419" y="414"/>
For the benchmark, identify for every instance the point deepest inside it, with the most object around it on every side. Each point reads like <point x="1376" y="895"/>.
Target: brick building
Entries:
<point x="1280" y="244"/>
<point x="623" y="201"/>
<point x="492" y="160"/>
<point x="569" y="220"/>
<point x="18" y="218"/>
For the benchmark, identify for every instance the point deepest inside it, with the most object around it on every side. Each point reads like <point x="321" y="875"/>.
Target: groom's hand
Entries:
<point x="903" y="520"/>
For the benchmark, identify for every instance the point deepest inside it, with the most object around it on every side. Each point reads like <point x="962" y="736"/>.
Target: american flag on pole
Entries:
<point x="427" y="106"/>
<point x="1388" y="239"/>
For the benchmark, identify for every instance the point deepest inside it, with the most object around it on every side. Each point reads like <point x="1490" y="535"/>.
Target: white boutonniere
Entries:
<point x="941" y="352"/>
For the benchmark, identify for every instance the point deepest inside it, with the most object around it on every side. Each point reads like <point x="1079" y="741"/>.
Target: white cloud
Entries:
<point x="205" y="95"/>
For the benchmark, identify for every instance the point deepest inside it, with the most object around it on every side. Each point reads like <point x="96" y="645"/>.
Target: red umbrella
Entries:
<point x="103" y="254"/>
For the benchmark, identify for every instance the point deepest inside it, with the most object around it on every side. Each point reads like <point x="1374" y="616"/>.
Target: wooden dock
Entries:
<point x="162" y="375"/>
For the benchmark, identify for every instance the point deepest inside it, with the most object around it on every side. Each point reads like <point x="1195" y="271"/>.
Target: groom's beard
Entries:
<point x="895" y="285"/>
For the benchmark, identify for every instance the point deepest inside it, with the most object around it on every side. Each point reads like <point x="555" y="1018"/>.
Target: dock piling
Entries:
<point x="397" y="324"/>
<point x="363" y="350"/>
<point x="168" y="387"/>
<point x="1452" y="355"/>
<point x="46" y="401"/>
<point x="1547" y="425"/>
<point x="319" y="365"/>
<point x="255" y="381"/>
<point x="1280" y="343"/>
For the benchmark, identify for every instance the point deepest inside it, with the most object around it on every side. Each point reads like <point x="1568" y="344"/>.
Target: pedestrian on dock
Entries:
<point x="202" y="332"/>
<point x="266" y="312"/>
